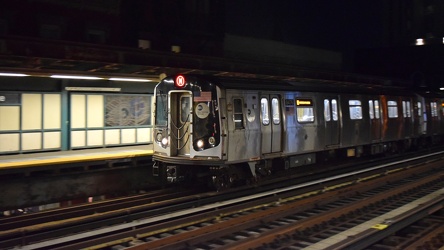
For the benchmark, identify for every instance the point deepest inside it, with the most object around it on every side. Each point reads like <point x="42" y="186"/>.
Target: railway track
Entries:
<point x="265" y="219"/>
<point x="24" y="229"/>
<point x="327" y="219"/>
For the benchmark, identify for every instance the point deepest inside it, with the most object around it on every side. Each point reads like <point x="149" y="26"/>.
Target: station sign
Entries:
<point x="9" y="99"/>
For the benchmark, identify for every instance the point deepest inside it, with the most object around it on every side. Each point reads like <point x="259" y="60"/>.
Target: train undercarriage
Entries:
<point x="220" y="176"/>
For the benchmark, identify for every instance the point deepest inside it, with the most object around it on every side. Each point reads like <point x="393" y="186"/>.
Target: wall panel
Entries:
<point x="95" y="115"/>
<point x="78" y="111"/>
<point x="51" y="140"/>
<point x="31" y="111"/>
<point x="31" y="141"/>
<point x="9" y="118"/>
<point x="9" y="142"/>
<point x="52" y="111"/>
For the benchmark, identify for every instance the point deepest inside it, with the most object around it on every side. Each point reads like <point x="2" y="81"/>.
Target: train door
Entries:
<point x="407" y="115"/>
<point x="271" y="123"/>
<point x="375" y="119"/>
<point x="181" y="118"/>
<point x="331" y="115"/>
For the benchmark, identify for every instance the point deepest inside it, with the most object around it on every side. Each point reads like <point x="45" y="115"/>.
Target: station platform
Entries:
<point x="37" y="179"/>
<point x="73" y="156"/>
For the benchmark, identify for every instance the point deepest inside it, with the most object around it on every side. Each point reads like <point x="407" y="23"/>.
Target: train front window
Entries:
<point x="161" y="110"/>
<point x="184" y="109"/>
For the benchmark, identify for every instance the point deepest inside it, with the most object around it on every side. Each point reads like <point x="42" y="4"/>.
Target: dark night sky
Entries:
<point x="336" y="25"/>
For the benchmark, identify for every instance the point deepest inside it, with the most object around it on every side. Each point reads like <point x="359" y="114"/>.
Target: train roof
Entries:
<point x="309" y="85"/>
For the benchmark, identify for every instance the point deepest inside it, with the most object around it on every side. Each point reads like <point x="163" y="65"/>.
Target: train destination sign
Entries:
<point x="9" y="99"/>
<point x="303" y="102"/>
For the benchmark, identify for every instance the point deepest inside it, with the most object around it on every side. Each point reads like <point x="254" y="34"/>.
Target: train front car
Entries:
<point x="187" y="131"/>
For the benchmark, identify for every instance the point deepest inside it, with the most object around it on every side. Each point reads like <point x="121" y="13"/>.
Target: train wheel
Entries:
<point x="221" y="181"/>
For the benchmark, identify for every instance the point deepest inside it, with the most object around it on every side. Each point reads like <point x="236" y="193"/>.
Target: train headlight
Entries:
<point x="165" y="142"/>
<point x="200" y="143"/>
<point x="211" y="141"/>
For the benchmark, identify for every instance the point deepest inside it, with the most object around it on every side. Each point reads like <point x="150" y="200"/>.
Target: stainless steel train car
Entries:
<point x="227" y="129"/>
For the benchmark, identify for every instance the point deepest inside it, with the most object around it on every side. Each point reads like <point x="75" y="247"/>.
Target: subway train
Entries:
<point x="226" y="129"/>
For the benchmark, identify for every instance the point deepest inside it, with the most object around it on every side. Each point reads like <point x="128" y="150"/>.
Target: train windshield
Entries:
<point x="161" y="109"/>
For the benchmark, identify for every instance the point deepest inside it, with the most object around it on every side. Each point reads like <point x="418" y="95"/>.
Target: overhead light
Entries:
<point x="13" y="74"/>
<point x="441" y="88"/>
<point x="77" y="77"/>
<point x="101" y="89"/>
<point x="129" y="79"/>
<point x="419" y="41"/>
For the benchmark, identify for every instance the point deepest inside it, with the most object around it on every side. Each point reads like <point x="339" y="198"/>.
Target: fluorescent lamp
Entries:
<point x="76" y="77"/>
<point x="129" y="79"/>
<point x="13" y="74"/>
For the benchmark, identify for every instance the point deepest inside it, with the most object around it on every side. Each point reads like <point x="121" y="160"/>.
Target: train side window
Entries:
<point x="355" y="108"/>
<point x="275" y="111"/>
<point x="238" y="113"/>
<point x="377" y="112"/>
<point x="392" y="109"/>
<point x="419" y="109"/>
<point x="434" y="109"/>
<point x="327" y="110"/>
<point x="265" y="112"/>
<point x="371" y="109"/>
<point x="334" y="109"/>
<point x="304" y="110"/>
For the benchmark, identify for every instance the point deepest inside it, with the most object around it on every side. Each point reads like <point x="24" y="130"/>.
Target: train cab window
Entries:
<point x="265" y="112"/>
<point x="238" y="113"/>
<point x="275" y="111"/>
<point x="434" y="109"/>
<point x="161" y="117"/>
<point x="355" y="108"/>
<point x="371" y="109"/>
<point x="304" y="111"/>
<point x="419" y="109"/>
<point x="406" y="109"/>
<point x="392" y="107"/>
